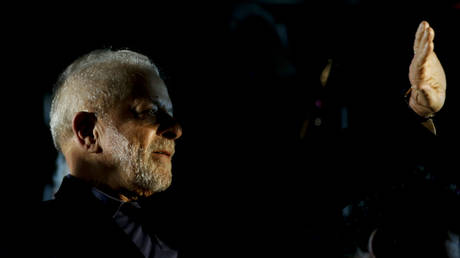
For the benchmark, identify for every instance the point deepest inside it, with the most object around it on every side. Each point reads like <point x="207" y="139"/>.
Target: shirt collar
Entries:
<point x="112" y="203"/>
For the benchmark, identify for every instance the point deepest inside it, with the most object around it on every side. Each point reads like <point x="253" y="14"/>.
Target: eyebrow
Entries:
<point x="162" y="104"/>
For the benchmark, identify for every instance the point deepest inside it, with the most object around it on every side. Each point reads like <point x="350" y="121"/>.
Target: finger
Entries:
<point x="419" y="34"/>
<point x="430" y="34"/>
<point x="427" y="50"/>
<point x="428" y="46"/>
<point x="421" y="54"/>
<point x="424" y="39"/>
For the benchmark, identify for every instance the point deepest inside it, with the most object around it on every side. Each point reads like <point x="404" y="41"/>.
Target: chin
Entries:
<point x="147" y="183"/>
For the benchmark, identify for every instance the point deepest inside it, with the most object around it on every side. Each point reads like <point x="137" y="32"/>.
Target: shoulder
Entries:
<point x="50" y="209"/>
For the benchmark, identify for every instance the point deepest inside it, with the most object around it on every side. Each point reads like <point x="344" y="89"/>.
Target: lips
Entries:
<point x="164" y="152"/>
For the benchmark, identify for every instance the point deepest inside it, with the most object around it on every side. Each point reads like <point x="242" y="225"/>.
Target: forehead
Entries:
<point x="149" y="87"/>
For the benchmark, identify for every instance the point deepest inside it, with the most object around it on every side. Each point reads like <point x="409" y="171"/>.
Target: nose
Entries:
<point x="169" y="127"/>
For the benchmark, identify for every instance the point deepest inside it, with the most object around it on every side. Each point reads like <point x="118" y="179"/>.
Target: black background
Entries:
<point x="244" y="181"/>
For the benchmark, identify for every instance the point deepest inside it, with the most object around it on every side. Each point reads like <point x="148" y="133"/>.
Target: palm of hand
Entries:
<point x="426" y="75"/>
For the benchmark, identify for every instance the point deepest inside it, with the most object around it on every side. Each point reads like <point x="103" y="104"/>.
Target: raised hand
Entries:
<point x="426" y="75"/>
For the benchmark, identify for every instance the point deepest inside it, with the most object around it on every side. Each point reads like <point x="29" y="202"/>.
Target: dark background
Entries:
<point x="253" y="173"/>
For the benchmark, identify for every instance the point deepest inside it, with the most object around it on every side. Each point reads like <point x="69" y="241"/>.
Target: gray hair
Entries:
<point x="93" y="82"/>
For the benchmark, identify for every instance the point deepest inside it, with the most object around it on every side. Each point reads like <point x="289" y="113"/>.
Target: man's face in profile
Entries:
<point x="142" y="136"/>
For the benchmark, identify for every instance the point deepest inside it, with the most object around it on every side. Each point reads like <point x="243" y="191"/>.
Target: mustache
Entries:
<point x="162" y="145"/>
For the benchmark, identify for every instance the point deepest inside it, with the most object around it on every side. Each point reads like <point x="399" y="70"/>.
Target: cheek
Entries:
<point x="144" y="143"/>
<point x="144" y="138"/>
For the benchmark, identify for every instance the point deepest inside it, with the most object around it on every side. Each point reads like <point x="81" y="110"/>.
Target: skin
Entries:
<point x="141" y="124"/>
<point x="426" y="75"/>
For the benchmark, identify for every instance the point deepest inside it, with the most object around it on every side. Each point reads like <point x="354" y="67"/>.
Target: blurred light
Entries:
<point x="346" y="212"/>
<point x="325" y="73"/>
<point x="318" y="103"/>
<point x="318" y="121"/>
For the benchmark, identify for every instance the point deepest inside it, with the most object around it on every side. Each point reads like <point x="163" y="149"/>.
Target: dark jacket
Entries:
<point x="77" y="224"/>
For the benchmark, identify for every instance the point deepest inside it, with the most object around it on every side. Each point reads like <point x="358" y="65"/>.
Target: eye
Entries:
<point x="152" y="111"/>
<point x="147" y="113"/>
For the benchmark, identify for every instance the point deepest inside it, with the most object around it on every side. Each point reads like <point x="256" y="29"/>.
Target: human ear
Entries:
<point x="84" y="128"/>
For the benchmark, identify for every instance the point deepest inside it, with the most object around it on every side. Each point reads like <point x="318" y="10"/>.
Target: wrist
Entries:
<point x="421" y="111"/>
<point x="424" y="113"/>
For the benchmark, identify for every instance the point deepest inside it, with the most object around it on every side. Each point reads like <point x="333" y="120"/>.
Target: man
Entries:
<point x="112" y="119"/>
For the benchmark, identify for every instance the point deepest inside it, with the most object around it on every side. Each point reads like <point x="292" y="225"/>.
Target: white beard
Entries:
<point x="140" y="171"/>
